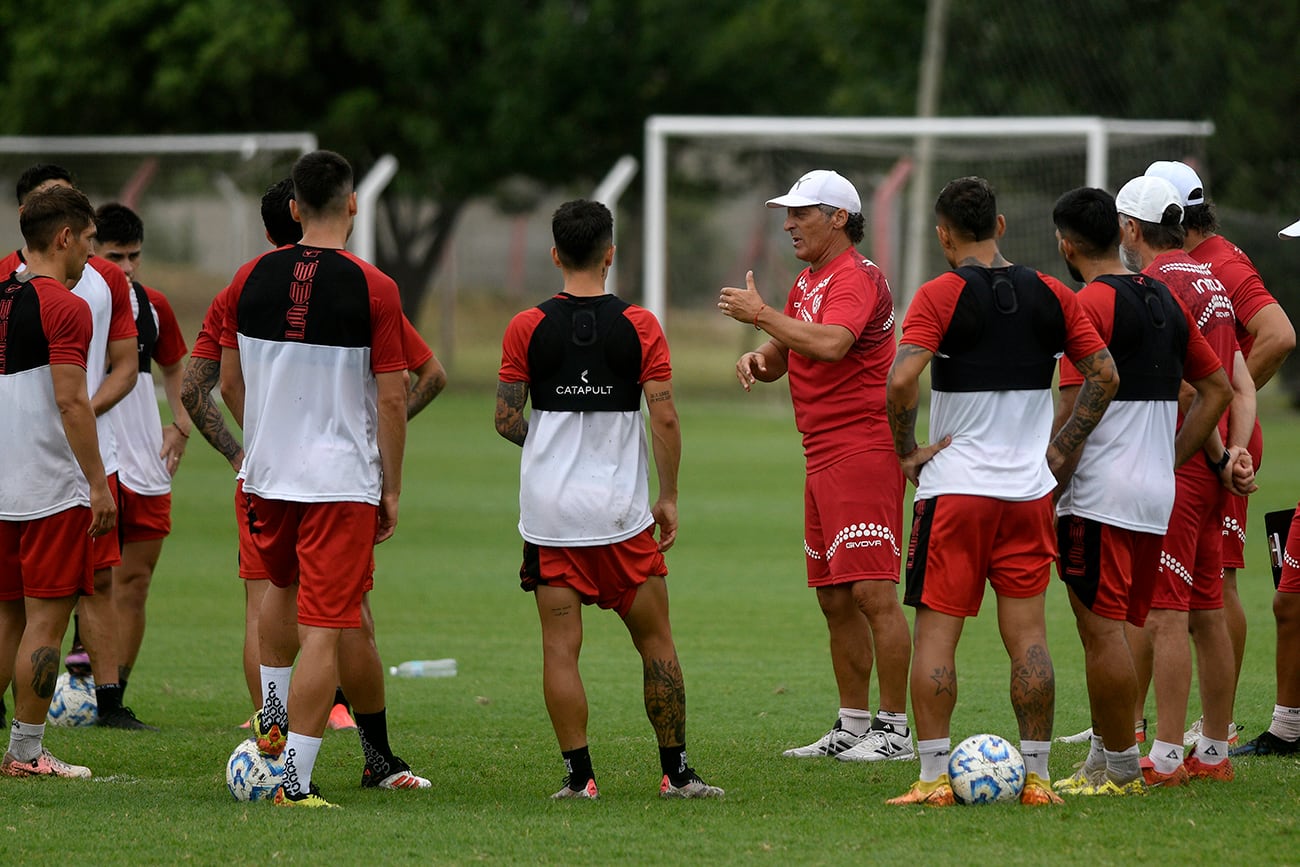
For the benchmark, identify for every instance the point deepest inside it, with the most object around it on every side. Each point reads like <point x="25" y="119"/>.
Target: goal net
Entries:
<point x="707" y="178"/>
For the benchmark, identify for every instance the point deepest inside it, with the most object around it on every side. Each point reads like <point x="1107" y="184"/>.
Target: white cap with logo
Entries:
<point x="1184" y="178"/>
<point x="820" y="187"/>
<point x="1146" y="198"/>
<point x="1291" y="231"/>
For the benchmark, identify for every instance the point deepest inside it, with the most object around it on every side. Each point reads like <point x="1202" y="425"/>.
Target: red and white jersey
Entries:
<point x="584" y="477"/>
<point x="1240" y="280"/>
<point x="416" y="351"/>
<point x="207" y="344"/>
<point x="41" y="324"/>
<point x="313" y="327"/>
<point x="1125" y="474"/>
<point x="136" y="421"/>
<point x="839" y="406"/>
<point x="996" y="334"/>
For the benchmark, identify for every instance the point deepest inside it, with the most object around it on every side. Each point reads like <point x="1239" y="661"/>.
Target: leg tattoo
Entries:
<point x="1033" y="693"/>
<point x="45" y="670"/>
<point x="665" y="701"/>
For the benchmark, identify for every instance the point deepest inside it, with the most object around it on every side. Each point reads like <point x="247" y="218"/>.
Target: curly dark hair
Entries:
<point x="1202" y="218"/>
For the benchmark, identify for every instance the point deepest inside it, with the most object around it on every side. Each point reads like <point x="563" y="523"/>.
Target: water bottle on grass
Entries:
<point x="425" y="668"/>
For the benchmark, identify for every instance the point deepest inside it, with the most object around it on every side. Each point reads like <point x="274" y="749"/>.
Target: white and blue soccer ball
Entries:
<point x="984" y="769"/>
<point x="251" y="776"/>
<point x="74" y="702"/>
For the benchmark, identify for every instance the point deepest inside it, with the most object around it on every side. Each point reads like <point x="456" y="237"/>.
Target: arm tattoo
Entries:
<point x="511" y="423"/>
<point x="1089" y="405"/>
<point x="421" y="396"/>
<point x="1033" y="693"/>
<point x="201" y="376"/>
<point x="665" y="700"/>
<point x="659" y="396"/>
<point x="902" y="417"/>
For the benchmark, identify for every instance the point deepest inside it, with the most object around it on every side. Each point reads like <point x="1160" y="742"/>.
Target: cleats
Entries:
<point x="247" y="724"/>
<point x="692" y="788"/>
<point x="934" y="794"/>
<point x="1267" y="744"/>
<point x="1193" y="734"/>
<point x="834" y="742"/>
<point x="311" y="799"/>
<point x="271" y="741"/>
<point x="398" y="776"/>
<point x="1038" y="792"/>
<point x="1079" y="780"/>
<point x="1199" y="770"/>
<point x="77" y="662"/>
<point x="44" y="765"/>
<point x="587" y="792"/>
<point x="340" y="719"/>
<point x="123" y="718"/>
<point x="1110" y="788"/>
<point x="1139" y="732"/>
<point x="880" y="745"/>
<point x="1154" y="778"/>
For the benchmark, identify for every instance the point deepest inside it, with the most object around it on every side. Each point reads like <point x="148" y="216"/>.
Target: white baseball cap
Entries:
<point x="1147" y="198"/>
<point x="1291" y="231"/>
<point x="820" y="187"/>
<point x="1183" y="177"/>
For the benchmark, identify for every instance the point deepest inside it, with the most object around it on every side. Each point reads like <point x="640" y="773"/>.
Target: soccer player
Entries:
<point x="586" y="358"/>
<point x="1110" y="543"/>
<point x="1188" y="595"/>
<point x="1266" y="338"/>
<point x="1282" y="737"/>
<point x="110" y="375"/>
<point x="54" y="493"/>
<point x="835" y="340"/>
<point x="991" y="332"/>
<point x="148" y="452"/>
<point x="313" y="370"/>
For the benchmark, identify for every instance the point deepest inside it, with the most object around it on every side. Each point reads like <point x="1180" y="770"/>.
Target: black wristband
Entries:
<point x="1223" y="462"/>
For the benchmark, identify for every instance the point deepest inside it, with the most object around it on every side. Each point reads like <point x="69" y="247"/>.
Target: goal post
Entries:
<point x="694" y="164"/>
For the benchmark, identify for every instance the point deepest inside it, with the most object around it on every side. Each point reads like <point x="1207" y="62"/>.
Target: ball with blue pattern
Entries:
<point x="251" y="776"/>
<point x="986" y="769"/>
<point x="73" y="703"/>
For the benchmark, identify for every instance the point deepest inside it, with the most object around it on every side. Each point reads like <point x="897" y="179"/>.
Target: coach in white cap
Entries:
<point x="835" y="339"/>
<point x="1266" y="337"/>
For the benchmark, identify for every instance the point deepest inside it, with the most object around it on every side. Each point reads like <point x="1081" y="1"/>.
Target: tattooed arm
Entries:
<point x="430" y="380"/>
<point x="511" y="423"/>
<point x="201" y="376"/>
<point x="902" y="397"/>
<point x="666" y="433"/>
<point x="1100" y="383"/>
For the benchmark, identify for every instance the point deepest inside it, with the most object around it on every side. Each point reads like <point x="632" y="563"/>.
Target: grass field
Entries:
<point x="753" y="648"/>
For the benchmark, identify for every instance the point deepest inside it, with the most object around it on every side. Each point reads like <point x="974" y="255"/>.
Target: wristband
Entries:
<point x="758" y="313"/>
<point x="1222" y="462"/>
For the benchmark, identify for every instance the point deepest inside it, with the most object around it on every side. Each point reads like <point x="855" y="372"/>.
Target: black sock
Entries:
<point x="578" y="764"/>
<point x="340" y="698"/>
<point x="373" y="729"/>
<point x="76" y="632"/>
<point x="108" y="698"/>
<point x="674" y="764"/>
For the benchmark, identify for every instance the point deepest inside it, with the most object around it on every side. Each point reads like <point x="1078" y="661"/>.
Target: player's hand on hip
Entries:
<point x="919" y="457"/>
<point x="741" y="305"/>
<point x="386" y="518"/>
<point x="748" y="366"/>
<point x="665" y="515"/>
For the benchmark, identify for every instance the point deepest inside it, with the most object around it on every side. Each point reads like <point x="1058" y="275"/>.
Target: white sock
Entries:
<point x="1286" y="722"/>
<point x="1036" y="753"/>
<point x="855" y="721"/>
<point x="1096" y="755"/>
<point x="1166" y="756"/>
<point x="275" y="682"/>
<point x="896" y="721"/>
<point x="1123" y="766"/>
<point x="25" y="740"/>
<point x="934" y="758"/>
<point x="300" y="752"/>
<point x="1211" y="752"/>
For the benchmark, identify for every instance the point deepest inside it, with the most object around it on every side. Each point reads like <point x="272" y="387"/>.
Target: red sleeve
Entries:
<point x="67" y="323"/>
<point x="11" y="263"/>
<point x="170" y="347"/>
<point x="413" y="346"/>
<point x="931" y="310"/>
<point x="1098" y="302"/>
<point x="208" y="344"/>
<point x="1081" y="337"/>
<point x="514" y="346"/>
<point x="387" y="350"/>
<point x="122" y="324"/>
<point x="228" y="335"/>
<point x="1201" y="360"/>
<point x="656" y="363"/>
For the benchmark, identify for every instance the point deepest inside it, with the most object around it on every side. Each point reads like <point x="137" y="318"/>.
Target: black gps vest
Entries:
<point x="585" y="356"/>
<point x="1148" y="338"/>
<point x="146" y="329"/>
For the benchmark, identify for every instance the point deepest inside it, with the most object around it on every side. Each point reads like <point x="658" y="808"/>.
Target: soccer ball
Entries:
<point x="74" y="702"/>
<point x="984" y="769"/>
<point x="251" y="776"/>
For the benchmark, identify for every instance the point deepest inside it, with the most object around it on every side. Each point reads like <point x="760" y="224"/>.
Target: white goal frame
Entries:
<point x="1096" y="132"/>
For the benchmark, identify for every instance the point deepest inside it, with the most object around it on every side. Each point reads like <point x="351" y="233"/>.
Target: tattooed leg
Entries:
<point x="1033" y="682"/>
<point x="38" y="659"/>
<point x="560" y="611"/>
<point x="665" y="690"/>
<point x="934" y="672"/>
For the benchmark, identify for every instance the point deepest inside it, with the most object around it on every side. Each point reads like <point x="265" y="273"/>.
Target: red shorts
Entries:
<point x="250" y="561"/>
<point x="1191" y="559"/>
<point x="853" y="520"/>
<point x="1234" y="510"/>
<point x="1112" y="570"/>
<point x="1290" y="582"/>
<point x="107" y="548"/>
<point x="47" y="558"/>
<point x="327" y="548"/>
<point x="142" y="518"/>
<point x="607" y="575"/>
<point x="959" y="540"/>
